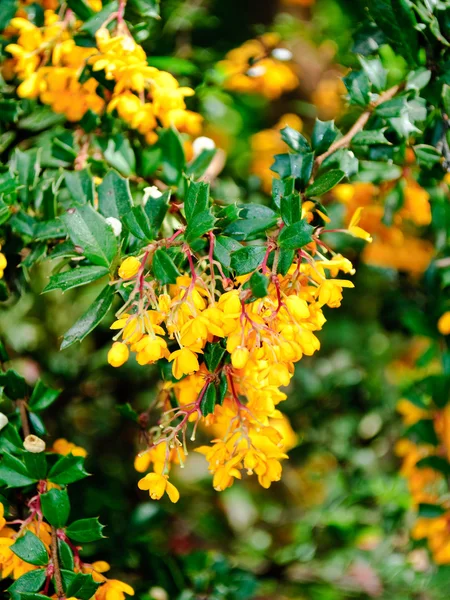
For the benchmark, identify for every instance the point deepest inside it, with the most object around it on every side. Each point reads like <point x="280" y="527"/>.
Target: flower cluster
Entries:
<point x="396" y="245"/>
<point x="231" y="345"/>
<point x="260" y="66"/>
<point x="426" y="483"/>
<point x="113" y="76"/>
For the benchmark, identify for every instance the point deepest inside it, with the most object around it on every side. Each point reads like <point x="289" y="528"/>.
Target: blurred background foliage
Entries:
<point x="337" y="525"/>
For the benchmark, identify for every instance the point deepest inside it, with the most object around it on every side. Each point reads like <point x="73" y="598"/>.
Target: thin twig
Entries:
<point x="24" y="417"/>
<point x="345" y="140"/>
<point x="55" y="561"/>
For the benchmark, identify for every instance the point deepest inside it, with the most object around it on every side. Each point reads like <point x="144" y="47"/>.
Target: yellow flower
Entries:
<point x="129" y="267"/>
<point x="356" y="231"/>
<point x="185" y="362"/>
<point x="2" y="516"/>
<point x="118" y="354"/>
<point x="113" y="589"/>
<point x="3" y="263"/>
<point x="239" y="357"/>
<point x="64" y="447"/>
<point x="444" y="323"/>
<point x="157" y="484"/>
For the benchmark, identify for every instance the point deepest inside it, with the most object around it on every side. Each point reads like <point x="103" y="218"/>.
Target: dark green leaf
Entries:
<point x="82" y="586"/>
<point x="325" y="183"/>
<point x="323" y="135"/>
<point x="30" y="582"/>
<point x="197" y="199"/>
<point x="13" y="472"/>
<point x="96" y="21"/>
<point x="375" y="72"/>
<point x="200" y="224"/>
<point x="14" y="385"/>
<point x="295" y="140"/>
<point x="89" y="230"/>
<point x="75" y="278"/>
<point x="397" y="21"/>
<point x="369" y="138"/>
<point x="80" y="185"/>
<point x="156" y="209"/>
<point x="423" y="431"/>
<point x="146" y="8"/>
<point x="81" y="9"/>
<point x="164" y="268"/>
<point x="295" y="236"/>
<point x="85" y="530"/>
<point x="30" y="549"/>
<point x="247" y="259"/>
<point x="357" y="85"/>
<point x="222" y="388"/>
<point x="214" y="354"/>
<point x="127" y="411"/>
<point x="36" y="464"/>
<point x="427" y="156"/>
<point x="430" y="511"/>
<point x="438" y="463"/>
<point x="65" y="555"/>
<point x="56" y="507"/>
<point x="298" y="166"/>
<point x="67" y="469"/>
<point x="8" y="9"/>
<point x="208" y="401"/>
<point x="290" y="208"/>
<point x="173" y="159"/>
<point x="250" y="229"/>
<point x="42" y="396"/>
<point x="259" y="284"/>
<point x="91" y="318"/>
<point x="223" y="247"/>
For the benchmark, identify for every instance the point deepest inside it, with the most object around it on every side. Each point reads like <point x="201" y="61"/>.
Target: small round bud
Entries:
<point x="34" y="444"/>
<point x="129" y="267"/>
<point x="3" y="420"/>
<point x="115" y="224"/>
<point x="202" y="143"/>
<point x="151" y="192"/>
<point x="444" y="324"/>
<point x="158" y="593"/>
<point x="239" y="357"/>
<point x="282" y="54"/>
<point x="118" y="354"/>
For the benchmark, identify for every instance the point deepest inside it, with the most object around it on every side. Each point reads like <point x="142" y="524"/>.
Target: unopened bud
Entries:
<point x="34" y="444"/>
<point x="158" y="593"/>
<point x="115" y="224"/>
<point x="282" y="54"/>
<point x="151" y="192"/>
<point x="3" y="420"/>
<point x="202" y="143"/>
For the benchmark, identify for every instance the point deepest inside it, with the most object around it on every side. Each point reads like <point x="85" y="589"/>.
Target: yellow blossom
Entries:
<point x="157" y="484"/>
<point x="444" y="323"/>
<point x="129" y="267"/>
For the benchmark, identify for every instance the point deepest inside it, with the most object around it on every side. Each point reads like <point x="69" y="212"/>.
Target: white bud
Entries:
<point x="151" y="192"/>
<point x="34" y="444"/>
<point x="202" y="143"/>
<point x="256" y="71"/>
<point x="282" y="54"/>
<point x="158" y="593"/>
<point x="116" y="225"/>
<point x="3" y="420"/>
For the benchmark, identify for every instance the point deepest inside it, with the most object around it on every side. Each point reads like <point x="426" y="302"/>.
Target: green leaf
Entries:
<point x="298" y="166"/>
<point x="290" y="208"/>
<point x="14" y="385"/>
<point x="214" y="354"/>
<point x="119" y="153"/>
<point x="175" y="65"/>
<point x="208" y="401"/>
<point x="247" y="259"/>
<point x="67" y="469"/>
<point x="398" y="23"/>
<point x="81" y="9"/>
<point x="36" y="464"/>
<point x="49" y="230"/>
<point x="85" y="530"/>
<point x="28" y="166"/>
<point x="325" y="183"/>
<point x="223" y="247"/>
<point x="56" y="507"/>
<point x="423" y="431"/>
<point x="10" y="440"/>
<point x="285" y="260"/>
<point x="357" y="85"/>
<point x="427" y="156"/>
<point x="295" y="236"/>
<point x="259" y="284"/>
<point x="323" y="135"/>
<point x="88" y="230"/>
<point x="91" y="318"/>
<point x="127" y="411"/>
<point x="96" y="21"/>
<point x="146" y="8"/>
<point x="295" y="140"/>
<point x="200" y="224"/>
<point x="200" y="164"/>
<point x="65" y="555"/>
<point x="164" y="268"/>
<point x="13" y="472"/>
<point x="33" y="596"/>
<point x="8" y="9"/>
<point x="446" y="98"/>
<point x="114" y="196"/>
<point x="173" y="160"/>
<point x="280" y="188"/>
<point x="156" y="209"/>
<point x="370" y="138"/>
<point x="42" y="396"/>
<point x="75" y="278"/>
<point x="222" y="388"/>
<point x="417" y="80"/>
<point x="375" y="72"/>
<point x="250" y="229"/>
<point x="438" y="463"/>
<point x="197" y="199"/>
<point x="30" y="582"/>
<point x="80" y="586"/>
<point x="430" y="511"/>
<point x="30" y="549"/>
<point x="80" y="185"/>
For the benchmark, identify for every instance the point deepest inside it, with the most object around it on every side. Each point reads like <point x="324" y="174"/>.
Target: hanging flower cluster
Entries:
<point x="260" y="66"/>
<point x="114" y="75"/>
<point x="231" y="343"/>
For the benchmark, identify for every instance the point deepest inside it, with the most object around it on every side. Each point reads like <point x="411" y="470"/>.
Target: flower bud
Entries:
<point x="34" y="444"/>
<point x="444" y="324"/>
<point x="239" y="357"/>
<point x="118" y="354"/>
<point x="281" y="54"/>
<point x="129" y="267"/>
<point x="115" y="224"/>
<point x="3" y="421"/>
<point x="202" y="143"/>
<point x="151" y="192"/>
